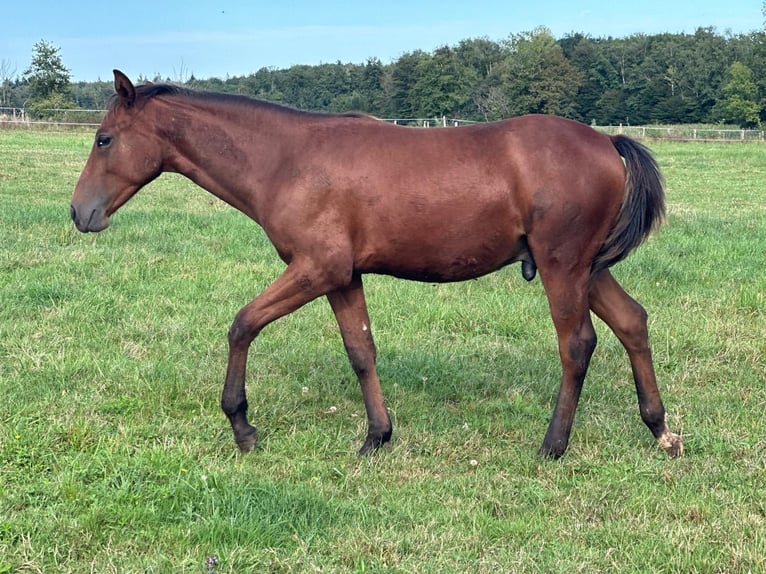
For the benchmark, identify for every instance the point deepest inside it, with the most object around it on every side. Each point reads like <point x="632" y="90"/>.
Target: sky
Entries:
<point x="177" y="38"/>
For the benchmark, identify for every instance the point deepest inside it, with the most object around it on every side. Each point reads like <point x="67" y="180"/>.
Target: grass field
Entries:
<point x="115" y="457"/>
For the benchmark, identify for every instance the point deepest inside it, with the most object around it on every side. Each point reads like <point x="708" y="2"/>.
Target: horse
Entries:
<point x="343" y="195"/>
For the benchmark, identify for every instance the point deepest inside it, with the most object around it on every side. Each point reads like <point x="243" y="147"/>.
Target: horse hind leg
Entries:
<point x="567" y="298"/>
<point x="628" y="320"/>
<point x="350" y="310"/>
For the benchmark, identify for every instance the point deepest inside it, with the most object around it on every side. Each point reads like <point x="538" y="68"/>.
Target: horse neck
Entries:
<point x="230" y="148"/>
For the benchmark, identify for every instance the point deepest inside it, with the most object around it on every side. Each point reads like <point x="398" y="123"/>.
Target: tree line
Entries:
<point x="704" y="77"/>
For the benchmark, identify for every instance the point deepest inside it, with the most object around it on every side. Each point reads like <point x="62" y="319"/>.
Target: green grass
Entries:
<point x="115" y="457"/>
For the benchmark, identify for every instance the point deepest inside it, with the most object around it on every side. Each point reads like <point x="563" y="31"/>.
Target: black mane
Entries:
<point x="147" y="91"/>
<point x="151" y="90"/>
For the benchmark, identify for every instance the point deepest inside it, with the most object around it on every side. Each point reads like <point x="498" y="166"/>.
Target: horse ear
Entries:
<point x="124" y="88"/>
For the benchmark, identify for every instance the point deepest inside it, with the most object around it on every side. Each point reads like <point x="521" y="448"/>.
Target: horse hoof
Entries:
<point x="554" y="452"/>
<point x="374" y="442"/>
<point x="672" y="444"/>
<point x="367" y="448"/>
<point x="248" y="440"/>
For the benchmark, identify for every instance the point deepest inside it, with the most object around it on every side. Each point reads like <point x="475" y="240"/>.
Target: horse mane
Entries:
<point x="151" y="90"/>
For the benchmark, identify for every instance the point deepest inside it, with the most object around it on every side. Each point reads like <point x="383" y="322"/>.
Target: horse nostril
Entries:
<point x="73" y="213"/>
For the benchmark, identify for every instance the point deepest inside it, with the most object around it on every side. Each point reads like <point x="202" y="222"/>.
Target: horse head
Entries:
<point x="126" y="155"/>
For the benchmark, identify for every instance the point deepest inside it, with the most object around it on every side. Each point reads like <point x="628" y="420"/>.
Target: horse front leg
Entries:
<point x="350" y="310"/>
<point x="628" y="320"/>
<point x="567" y="298"/>
<point x="299" y="284"/>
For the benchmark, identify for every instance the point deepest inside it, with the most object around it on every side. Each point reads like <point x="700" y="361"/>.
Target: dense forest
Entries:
<point x="704" y="77"/>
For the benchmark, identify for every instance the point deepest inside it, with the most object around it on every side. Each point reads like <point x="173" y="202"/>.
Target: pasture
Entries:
<point x="115" y="456"/>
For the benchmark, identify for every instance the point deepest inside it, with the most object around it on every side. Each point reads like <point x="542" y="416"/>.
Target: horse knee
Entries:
<point x="241" y="331"/>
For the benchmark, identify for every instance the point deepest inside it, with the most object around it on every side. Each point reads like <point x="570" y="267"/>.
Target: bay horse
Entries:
<point x="343" y="195"/>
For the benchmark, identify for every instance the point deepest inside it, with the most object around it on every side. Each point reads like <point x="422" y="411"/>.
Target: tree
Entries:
<point x="535" y="77"/>
<point x="47" y="77"/>
<point x="704" y="58"/>
<point x="479" y="54"/>
<point x="443" y="85"/>
<point x="7" y="71"/>
<point x="595" y="100"/>
<point x="404" y="76"/>
<point x="739" y="103"/>
<point x="372" y="87"/>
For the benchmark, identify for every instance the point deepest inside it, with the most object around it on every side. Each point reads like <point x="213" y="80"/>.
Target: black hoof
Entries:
<point x="248" y="440"/>
<point x="373" y="442"/>
<point x="553" y="452"/>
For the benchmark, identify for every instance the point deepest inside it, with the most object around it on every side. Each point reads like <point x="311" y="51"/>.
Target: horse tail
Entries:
<point x="643" y="207"/>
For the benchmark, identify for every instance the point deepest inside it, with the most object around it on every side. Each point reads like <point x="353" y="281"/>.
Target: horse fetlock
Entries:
<point x="234" y="407"/>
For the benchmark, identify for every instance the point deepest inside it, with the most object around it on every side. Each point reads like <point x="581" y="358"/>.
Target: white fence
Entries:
<point x="441" y="122"/>
<point x="686" y="133"/>
<point x="65" y="118"/>
<point x="675" y="133"/>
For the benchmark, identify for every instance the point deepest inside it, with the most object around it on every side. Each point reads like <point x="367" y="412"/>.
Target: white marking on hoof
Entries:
<point x="671" y="443"/>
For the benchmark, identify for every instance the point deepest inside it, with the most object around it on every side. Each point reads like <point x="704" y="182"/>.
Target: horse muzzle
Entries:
<point x="87" y="220"/>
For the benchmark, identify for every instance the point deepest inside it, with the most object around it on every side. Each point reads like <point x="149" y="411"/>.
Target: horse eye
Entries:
<point x="103" y="140"/>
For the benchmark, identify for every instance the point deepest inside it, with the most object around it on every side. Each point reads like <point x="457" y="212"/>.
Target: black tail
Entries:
<point x="643" y="208"/>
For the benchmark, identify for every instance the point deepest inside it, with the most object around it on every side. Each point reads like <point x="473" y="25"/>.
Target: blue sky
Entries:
<point x="172" y="38"/>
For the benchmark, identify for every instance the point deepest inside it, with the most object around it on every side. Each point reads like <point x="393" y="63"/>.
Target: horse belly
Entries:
<point x="438" y="256"/>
